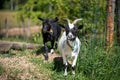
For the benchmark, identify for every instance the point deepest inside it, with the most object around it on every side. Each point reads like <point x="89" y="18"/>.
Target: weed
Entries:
<point x="2" y="70"/>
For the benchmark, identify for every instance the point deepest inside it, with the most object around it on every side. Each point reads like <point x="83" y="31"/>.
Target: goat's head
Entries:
<point x="47" y="24"/>
<point x="71" y="29"/>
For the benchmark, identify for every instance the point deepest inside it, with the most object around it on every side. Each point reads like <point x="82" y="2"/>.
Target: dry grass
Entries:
<point x="11" y="18"/>
<point x="20" y="31"/>
<point x="21" y="68"/>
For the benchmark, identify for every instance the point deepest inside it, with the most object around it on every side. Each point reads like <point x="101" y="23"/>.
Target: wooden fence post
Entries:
<point x="6" y="27"/>
<point x="110" y="23"/>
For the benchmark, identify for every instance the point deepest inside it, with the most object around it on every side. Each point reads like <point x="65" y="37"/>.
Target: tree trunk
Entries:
<point x="118" y="21"/>
<point x="16" y="4"/>
<point x="110" y="23"/>
<point x="6" y="45"/>
<point x="11" y="4"/>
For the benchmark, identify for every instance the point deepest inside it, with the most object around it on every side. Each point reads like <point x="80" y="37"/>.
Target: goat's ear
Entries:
<point x="40" y="18"/>
<point x="55" y="20"/>
<point x="61" y="25"/>
<point x="80" y="26"/>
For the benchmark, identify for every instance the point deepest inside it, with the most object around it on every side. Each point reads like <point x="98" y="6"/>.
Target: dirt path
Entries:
<point x="18" y="67"/>
<point x="21" y="68"/>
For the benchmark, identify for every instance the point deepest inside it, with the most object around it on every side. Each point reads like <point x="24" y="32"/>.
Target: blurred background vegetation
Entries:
<point x="23" y="13"/>
<point x="94" y="63"/>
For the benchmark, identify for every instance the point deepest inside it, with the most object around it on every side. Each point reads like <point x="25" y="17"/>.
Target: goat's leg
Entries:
<point x="52" y="46"/>
<point x="56" y="44"/>
<point x="65" y="65"/>
<point x="73" y="64"/>
<point x="46" y="51"/>
<point x="65" y="68"/>
<point x="73" y="69"/>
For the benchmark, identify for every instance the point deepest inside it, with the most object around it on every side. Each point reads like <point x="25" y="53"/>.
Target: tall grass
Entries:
<point x="94" y="63"/>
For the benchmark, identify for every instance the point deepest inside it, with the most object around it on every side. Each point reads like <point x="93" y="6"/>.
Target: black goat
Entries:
<point x="51" y="31"/>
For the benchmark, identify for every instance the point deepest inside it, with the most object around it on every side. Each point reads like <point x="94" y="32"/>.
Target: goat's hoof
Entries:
<point x="65" y="74"/>
<point x="56" y="46"/>
<point x="46" y="57"/>
<point x="52" y="51"/>
<point x="73" y="72"/>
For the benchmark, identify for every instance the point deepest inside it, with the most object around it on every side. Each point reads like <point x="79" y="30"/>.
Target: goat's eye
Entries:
<point x="73" y="30"/>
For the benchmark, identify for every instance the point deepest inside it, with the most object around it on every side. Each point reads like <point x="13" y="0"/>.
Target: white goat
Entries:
<point x="69" y="44"/>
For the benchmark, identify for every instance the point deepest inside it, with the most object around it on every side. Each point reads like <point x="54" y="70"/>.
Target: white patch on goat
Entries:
<point x="70" y="35"/>
<point x="73" y="72"/>
<point x="76" y="47"/>
<point x="71" y="25"/>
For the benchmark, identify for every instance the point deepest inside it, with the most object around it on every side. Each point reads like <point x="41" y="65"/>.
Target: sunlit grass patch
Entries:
<point x="2" y="70"/>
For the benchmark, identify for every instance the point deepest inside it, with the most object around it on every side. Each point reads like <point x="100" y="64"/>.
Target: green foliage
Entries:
<point x="93" y="12"/>
<point x="37" y="38"/>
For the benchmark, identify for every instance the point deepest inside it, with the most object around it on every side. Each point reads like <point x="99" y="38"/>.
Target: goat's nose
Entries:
<point x="70" y="36"/>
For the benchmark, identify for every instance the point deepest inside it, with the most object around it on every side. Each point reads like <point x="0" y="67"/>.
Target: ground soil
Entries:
<point x="20" y="68"/>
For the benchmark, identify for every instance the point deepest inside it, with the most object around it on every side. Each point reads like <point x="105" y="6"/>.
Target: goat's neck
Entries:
<point x="71" y="43"/>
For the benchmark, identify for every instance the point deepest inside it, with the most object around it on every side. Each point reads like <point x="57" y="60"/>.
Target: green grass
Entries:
<point x="91" y="65"/>
<point x="97" y="64"/>
<point x="94" y="63"/>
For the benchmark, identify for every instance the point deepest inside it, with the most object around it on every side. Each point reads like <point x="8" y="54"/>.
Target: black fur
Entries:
<point x="51" y="31"/>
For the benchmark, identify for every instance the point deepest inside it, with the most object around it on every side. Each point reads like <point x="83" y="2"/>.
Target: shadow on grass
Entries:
<point x="1" y="36"/>
<point x="8" y="54"/>
<point x="58" y="64"/>
<point x="40" y="50"/>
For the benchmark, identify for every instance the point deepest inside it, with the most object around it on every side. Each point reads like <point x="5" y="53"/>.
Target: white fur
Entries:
<point x="52" y="51"/>
<point x="71" y="25"/>
<point x="73" y="50"/>
<point x="62" y="45"/>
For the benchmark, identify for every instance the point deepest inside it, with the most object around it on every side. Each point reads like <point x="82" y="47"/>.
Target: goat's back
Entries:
<point x="56" y="30"/>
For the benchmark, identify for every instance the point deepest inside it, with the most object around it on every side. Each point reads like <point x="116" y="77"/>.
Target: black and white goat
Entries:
<point x="69" y="44"/>
<point x="51" y="31"/>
